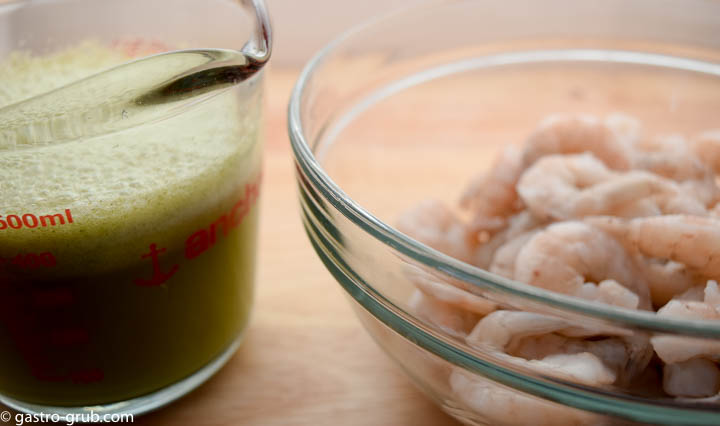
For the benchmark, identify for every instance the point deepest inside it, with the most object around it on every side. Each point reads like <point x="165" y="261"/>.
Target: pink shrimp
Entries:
<point x="499" y="405"/>
<point x="691" y="240"/>
<point x="501" y="330"/>
<point x="572" y="186"/>
<point x="448" y="318"/>
<point x="448" y="291"/>
<point x="706" y="306"/>
<point x="707" y="146"/>
<point x="675" y="158"/>
<point x="503" y="262"/>
<point x="569" y="257"/>
<point x="539" y="341"/>
<point x="434" y="224"/>
<point x="492" y="197"/>
<point x="609" y="140"/>
<point x="665" y="278"/>
<point x="517" y="225"/>
<point x="694" y="378"/>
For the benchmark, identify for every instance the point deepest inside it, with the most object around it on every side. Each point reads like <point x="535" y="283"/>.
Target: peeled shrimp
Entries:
<point x="517" y="225"/>
<point x="569" y="257"/>
<point x="434" y="224"/>
<point x="448" y="291"/>
<point x="492" y="197"/>
<point x="626" y="358"/>
<point x="540" y="342"/>
<point x="503" y="262"/>
<point x="609" y="140"/>
<point x="670" y="156"/>
<point x="448" y="318"/>
<point x="690" y="240"/>
<point x="674" y="349"/>
<point x="707" y="146"/>
<point x="500" y="405"/>
<point x="673" y="157"/>
<point x="501" y="329"/>
<point x="665" y="278"/>
<point x="562" y="187"/>
<point x="695" y="378"/>
<point x="715" y="211"/>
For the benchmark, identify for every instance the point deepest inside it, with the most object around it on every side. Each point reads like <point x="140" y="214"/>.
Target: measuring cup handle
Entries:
<point x="259" y="46"/>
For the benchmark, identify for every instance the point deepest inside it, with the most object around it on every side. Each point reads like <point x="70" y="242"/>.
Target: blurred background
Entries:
<point x="302" y="27"/>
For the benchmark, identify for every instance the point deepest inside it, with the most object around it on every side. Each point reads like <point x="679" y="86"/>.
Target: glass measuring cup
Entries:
<point x="130" y="154"/>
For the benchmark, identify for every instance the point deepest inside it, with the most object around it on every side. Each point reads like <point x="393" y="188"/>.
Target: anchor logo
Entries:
<point x="159" y="276"/>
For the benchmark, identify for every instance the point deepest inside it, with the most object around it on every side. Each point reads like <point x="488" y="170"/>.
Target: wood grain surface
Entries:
<point x="306" y="360"/>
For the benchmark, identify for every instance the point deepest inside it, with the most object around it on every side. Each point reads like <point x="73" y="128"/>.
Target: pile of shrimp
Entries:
<point x="596" y="208"/>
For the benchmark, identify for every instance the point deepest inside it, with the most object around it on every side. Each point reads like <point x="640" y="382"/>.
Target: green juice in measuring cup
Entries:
<point x="127" y="255"/>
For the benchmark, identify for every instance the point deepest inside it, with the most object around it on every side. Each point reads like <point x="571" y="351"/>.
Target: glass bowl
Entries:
<point x="412" y="106"/>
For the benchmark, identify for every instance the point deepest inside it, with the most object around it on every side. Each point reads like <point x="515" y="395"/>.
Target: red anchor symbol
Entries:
<point x="158" y="277"/>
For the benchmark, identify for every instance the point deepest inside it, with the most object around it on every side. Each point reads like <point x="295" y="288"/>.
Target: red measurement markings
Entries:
<point x="39" y="325"/>
<point x="29" y="261"/>
<point x="202" y="240"/>
<point x="29" y="220"/>
<point x="158" y="276"/>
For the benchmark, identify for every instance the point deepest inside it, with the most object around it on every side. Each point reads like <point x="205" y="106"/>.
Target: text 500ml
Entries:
<point x="29" y="220"/>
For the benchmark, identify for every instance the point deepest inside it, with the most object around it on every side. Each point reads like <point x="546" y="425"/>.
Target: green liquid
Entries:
<point x="153" y="277"/>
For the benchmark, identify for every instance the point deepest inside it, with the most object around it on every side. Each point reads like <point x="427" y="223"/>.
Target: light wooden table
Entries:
<point x="306" y="360"/>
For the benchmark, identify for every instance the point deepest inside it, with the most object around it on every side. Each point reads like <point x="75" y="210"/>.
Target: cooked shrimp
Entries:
<point x="608" y="140"/>
<point x="500" y="405"/>
<point x="674" y="349"/>
<point x="503" y="262"/>
<point x="624" y="357"/>
<point x="563" y="187"/>
<point x="448" y="318"/>
<point x="434" y="224"/>
<point x="673" y="157"/>
<point x="707" y="146"/>
<point x="539" y="341"/>
<point x="610" y="292"/>
<point x="712" y="294"/>
<point x="680" y="201"/>
<point x="501" y="330"/>
<point x="448" y="291"/>
<point x="625" y="127"/>
<point x="665" y="279"/>
<point x="695" y="378"/>
<point x="492" y="197"/>
<point x="715" y="211"/>
<point x="690" y="240"/>
<point x="517" y="225"/>
<point x="566" y="256"/>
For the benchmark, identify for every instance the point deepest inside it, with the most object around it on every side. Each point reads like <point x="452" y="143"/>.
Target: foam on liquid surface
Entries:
<point x="152" y="180"/>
